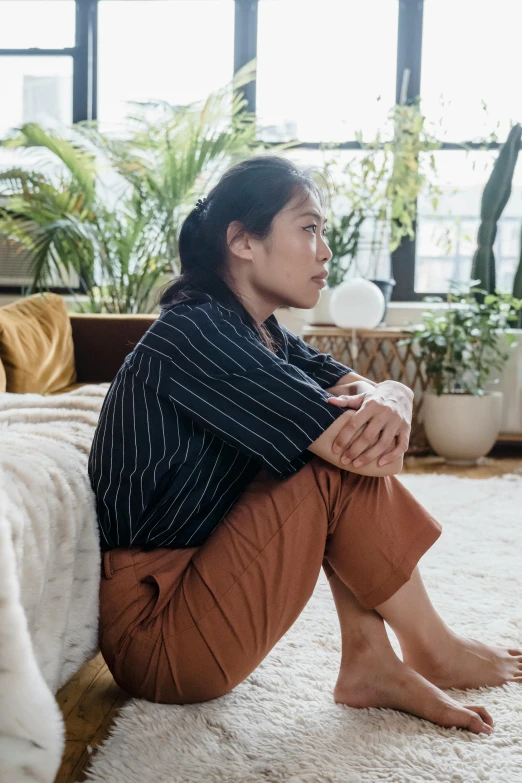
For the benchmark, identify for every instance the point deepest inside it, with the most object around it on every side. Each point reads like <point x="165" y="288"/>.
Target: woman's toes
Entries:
<point x="515" y="652"/>
<point x="476" y="724"/>
<point x="475" y="719"/>
<point x="484" y="714"/>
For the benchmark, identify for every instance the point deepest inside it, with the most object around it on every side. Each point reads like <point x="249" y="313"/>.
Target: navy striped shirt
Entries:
<point x="198" y="407"/>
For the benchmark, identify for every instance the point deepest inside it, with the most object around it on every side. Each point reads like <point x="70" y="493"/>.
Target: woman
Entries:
<point x="232" y="461"/>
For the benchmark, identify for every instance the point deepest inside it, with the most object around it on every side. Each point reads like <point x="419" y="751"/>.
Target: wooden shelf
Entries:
<point x="510" y="437"/>
<point x="327" y="330"/>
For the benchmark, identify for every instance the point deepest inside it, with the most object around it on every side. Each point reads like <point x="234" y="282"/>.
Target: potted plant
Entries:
<point x="381" y="188"/>
<point x="463" y="351"/>
<point x="110" y="209"/>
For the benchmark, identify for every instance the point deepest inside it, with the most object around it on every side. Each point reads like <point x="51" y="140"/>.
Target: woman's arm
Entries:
<point x="359" y="385"/>
<point x="348" y="383"/>
<point x="323" y="447"/>
<point x="381" y="425"/>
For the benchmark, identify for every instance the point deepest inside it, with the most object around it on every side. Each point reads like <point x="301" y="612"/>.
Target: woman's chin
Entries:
<point x="312" y="300"/>
<point x="304" y="300"/>
<point x="309" y="298"/>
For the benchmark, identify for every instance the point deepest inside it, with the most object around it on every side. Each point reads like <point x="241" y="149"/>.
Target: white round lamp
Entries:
<point x="357" y="304"/>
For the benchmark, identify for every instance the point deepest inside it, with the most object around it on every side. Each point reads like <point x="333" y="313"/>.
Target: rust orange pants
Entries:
<point x="187" y="625"/>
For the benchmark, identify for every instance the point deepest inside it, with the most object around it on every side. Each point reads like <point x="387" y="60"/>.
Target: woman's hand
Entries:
<point x="380" y="429"/>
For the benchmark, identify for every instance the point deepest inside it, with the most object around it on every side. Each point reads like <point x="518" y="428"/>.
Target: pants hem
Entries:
<point x="398" y="578"/>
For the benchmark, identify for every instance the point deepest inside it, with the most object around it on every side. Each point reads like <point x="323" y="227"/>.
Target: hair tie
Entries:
<point x="201" y="204"/>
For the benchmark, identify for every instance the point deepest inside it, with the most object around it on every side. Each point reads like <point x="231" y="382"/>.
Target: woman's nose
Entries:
<point x="323" y="251"/>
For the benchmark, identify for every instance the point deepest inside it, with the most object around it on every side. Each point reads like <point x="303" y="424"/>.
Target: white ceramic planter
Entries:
<point x="460" y="427"/>
<point x="511" y="386"/>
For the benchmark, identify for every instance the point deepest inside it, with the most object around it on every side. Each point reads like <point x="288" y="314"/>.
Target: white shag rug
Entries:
<point x="282" y="726"/>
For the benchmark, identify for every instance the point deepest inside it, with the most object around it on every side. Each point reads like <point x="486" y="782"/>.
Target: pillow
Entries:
<point x="36" y="346"/>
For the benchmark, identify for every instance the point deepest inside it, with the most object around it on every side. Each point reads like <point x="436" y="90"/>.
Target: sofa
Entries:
<point x="46" y="350"/>
<point x="55" y="369"/>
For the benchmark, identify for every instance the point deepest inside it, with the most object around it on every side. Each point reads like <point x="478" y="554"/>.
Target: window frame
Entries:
<point x="84" y="99"/>
<point x="409" y="55"/>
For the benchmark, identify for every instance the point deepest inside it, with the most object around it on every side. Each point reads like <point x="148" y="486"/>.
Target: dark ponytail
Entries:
<point x="251" y="192"/>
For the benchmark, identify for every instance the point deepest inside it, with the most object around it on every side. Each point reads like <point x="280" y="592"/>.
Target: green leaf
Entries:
<point x="122" y="247"/>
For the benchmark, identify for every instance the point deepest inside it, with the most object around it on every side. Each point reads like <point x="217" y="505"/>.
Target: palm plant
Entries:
<point x="111" y="212"/>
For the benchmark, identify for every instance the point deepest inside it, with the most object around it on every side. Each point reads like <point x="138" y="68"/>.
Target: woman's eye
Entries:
<point x="314" y="227"/>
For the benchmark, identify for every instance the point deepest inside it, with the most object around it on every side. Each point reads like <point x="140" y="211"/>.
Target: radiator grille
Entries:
<point x="15" y="267"/>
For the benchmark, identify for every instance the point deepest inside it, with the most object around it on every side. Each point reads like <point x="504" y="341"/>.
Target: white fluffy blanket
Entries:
<point x="49" y="570"/>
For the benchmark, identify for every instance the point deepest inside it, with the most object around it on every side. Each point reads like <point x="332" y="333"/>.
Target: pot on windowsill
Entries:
<point x="386" y="286"/>
<point x="320" y="314"/>
<point x="462" y="428"/>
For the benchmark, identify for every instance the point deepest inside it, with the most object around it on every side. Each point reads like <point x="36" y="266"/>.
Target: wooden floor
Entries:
<point x="90" y="700"/>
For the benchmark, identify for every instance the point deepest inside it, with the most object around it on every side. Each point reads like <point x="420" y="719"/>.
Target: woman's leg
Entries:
<point x="180" y="626"/>
<point x="371" y="675"/>
<point x="433" y="650"/>
<point x="428" y="645"/>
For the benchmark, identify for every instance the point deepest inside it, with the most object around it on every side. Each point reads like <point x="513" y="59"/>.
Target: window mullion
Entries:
<point x="85" y="61"/>
<point x="409" y="55"/>
<point x="245" y="44"/>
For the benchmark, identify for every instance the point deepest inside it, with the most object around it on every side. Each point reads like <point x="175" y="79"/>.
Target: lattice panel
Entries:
<point x="379" y="358"/>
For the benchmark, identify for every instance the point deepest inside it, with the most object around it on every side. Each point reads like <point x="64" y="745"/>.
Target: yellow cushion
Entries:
<point x="2" y="378"/>
<point x="36" y="346"/>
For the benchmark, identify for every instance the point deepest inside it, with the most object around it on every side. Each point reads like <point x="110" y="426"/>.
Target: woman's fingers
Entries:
<point x="363" y="430"/>
<point x="353" y="401"/>
<point x="382" y="446"/>
<point x="353" y="427"/>
<point x="403" y="441"/>
<point x="365" y="438"/>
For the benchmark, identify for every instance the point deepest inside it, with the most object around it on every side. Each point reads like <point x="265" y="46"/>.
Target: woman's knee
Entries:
<point x="164" y="672"/>
<point x="166" y="691"/>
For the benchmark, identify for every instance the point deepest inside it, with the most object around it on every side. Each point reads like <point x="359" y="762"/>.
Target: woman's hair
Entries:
<point x="251" y="192"/>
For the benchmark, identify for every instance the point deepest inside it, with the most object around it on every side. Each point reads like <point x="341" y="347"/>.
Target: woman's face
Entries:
<point x="284" y="268"/>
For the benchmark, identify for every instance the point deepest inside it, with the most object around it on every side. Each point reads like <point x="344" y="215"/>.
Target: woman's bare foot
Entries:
<point x="465" y="663"/>
<point x="377" y="680"/>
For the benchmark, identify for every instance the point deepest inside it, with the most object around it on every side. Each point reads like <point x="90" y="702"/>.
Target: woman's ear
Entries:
<point x="238" y="241"/>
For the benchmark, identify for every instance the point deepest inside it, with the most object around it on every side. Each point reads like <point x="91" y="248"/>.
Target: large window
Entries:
<point x="35" y="79"/>
<point x="322" y="67"/>
<point x="47" y="24"/>
<point x="47" y="75"/>
<point x="325" y="69"/>
<point x="165" y="50"/>
<point x="471" y="96"/>
<point x="35" y="89"/>
<point x="471" y="60"/>
<point x="446" y="239"/>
